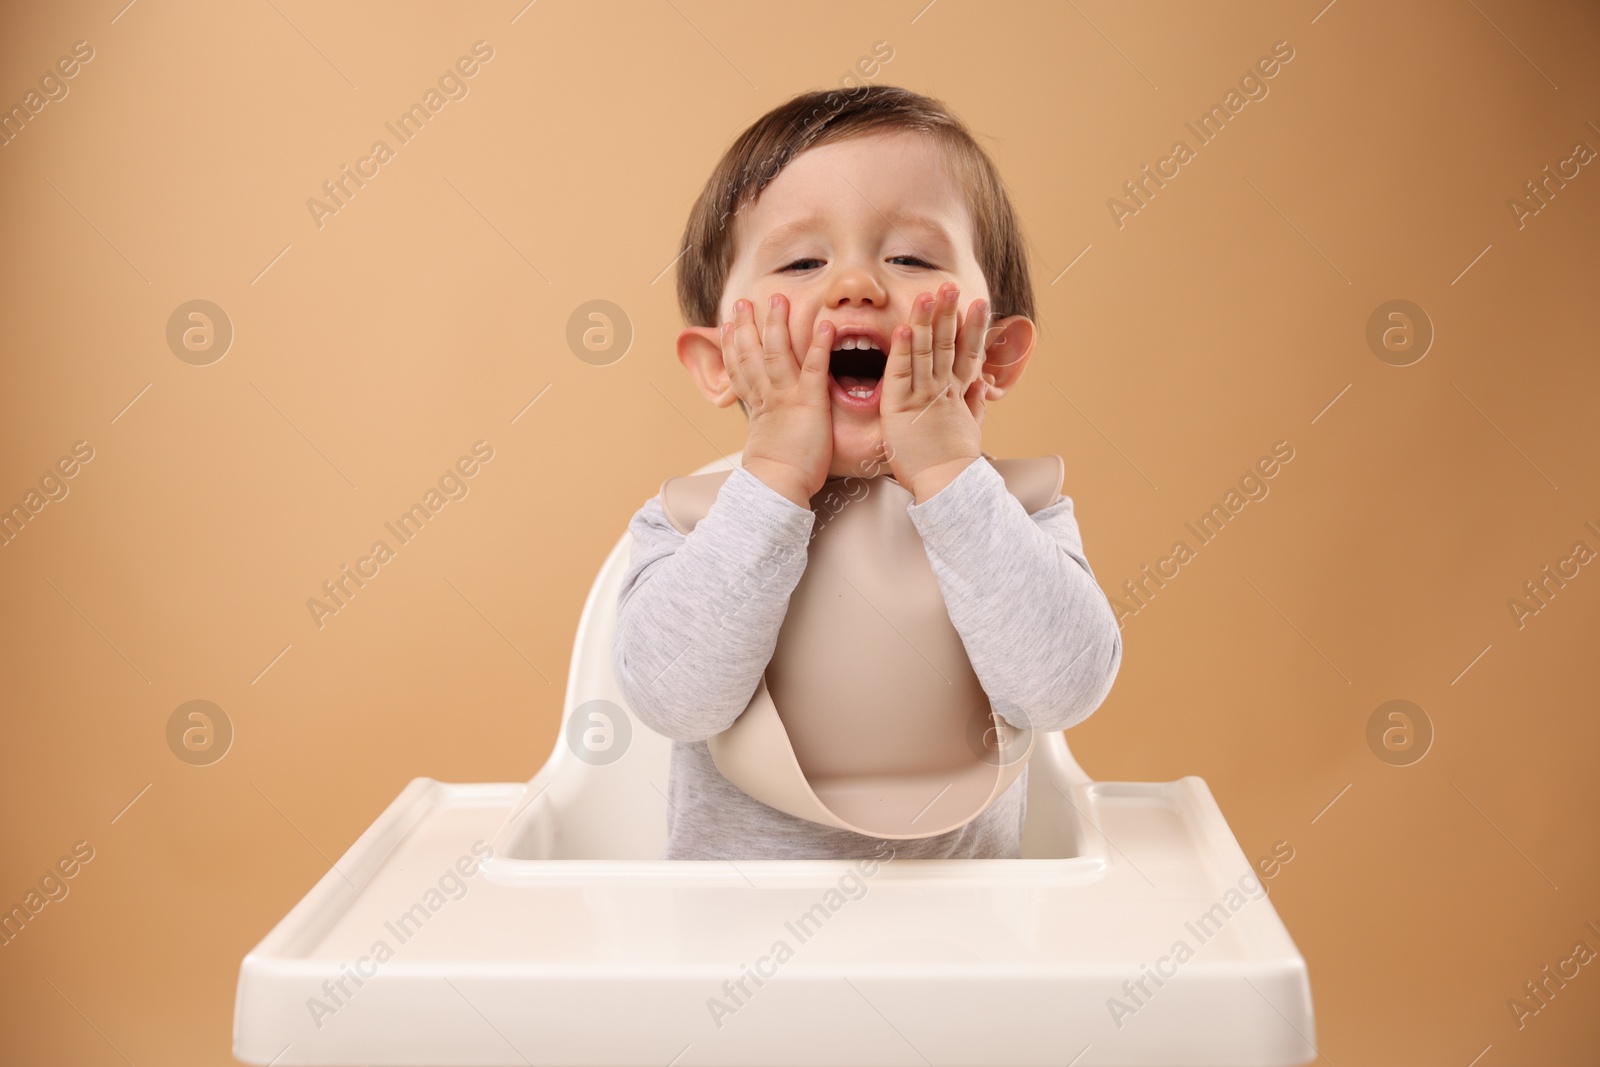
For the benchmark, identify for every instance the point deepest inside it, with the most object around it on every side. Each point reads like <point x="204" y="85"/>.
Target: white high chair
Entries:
<point x="574" y="945"/>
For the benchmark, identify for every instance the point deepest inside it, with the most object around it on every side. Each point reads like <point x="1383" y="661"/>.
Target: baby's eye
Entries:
<point x="797" y="263"/>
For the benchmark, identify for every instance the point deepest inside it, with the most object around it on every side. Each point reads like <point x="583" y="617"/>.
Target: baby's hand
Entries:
<point x="933" y="392"/>
<point x="790" y="445"/>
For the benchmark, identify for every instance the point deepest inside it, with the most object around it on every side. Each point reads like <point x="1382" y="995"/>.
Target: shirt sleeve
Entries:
<point x="698" y="615"/>
<point x="1040" y="634"/>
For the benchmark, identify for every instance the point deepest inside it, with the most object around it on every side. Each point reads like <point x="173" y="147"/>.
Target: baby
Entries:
<point x="824" y="267"/>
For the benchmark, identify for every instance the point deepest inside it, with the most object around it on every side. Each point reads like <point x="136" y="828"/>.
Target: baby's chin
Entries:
<point x="857" y="448"/>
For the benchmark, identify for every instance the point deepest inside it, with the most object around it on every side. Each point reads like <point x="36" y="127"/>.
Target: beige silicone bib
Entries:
<point x="869" y="716"/>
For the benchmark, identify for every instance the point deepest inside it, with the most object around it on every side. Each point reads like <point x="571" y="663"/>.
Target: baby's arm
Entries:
<point x="1040" y="634"/>
<point x="698" y="616"/>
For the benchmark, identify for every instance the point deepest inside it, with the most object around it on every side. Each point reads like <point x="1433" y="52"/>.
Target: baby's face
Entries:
<point x="852" y="232"/>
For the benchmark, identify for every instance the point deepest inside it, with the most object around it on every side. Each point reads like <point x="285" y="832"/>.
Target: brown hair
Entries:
<point x="817" y="118"/>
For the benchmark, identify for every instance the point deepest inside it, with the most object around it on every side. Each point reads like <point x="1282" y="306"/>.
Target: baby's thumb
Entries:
<point x="977" y="397"/>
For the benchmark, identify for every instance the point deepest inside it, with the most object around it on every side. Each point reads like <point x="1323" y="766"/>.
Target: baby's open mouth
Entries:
<point x="857" y="365"/>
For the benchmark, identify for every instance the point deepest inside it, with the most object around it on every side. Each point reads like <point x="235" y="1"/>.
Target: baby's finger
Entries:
<point x="897" y="365"/>
<point x="969" y="346"/>
<point x="977" y="398"/>
<point x="730" y="357"/>
<point x="747" y="344"/>
<point x="777" y="355"/>
<point x="921" y="372"/>
<point x="730" y="365"/>
<point x="946" y="321"/>
<point x="814" y="372"/>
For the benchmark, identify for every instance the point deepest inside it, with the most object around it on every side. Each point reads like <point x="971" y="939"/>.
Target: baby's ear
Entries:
<point x="700" y="352"/>
<point x="1010" y="343"/>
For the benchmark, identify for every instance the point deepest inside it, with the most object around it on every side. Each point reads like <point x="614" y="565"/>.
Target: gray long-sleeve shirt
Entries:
<point x="695" y="632"/>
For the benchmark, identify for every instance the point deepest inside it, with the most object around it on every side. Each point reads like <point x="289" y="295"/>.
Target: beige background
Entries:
<point x="1226" y="315"/>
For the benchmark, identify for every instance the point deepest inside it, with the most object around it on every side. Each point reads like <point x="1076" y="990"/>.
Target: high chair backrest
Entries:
<point x="602" y="794"/>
